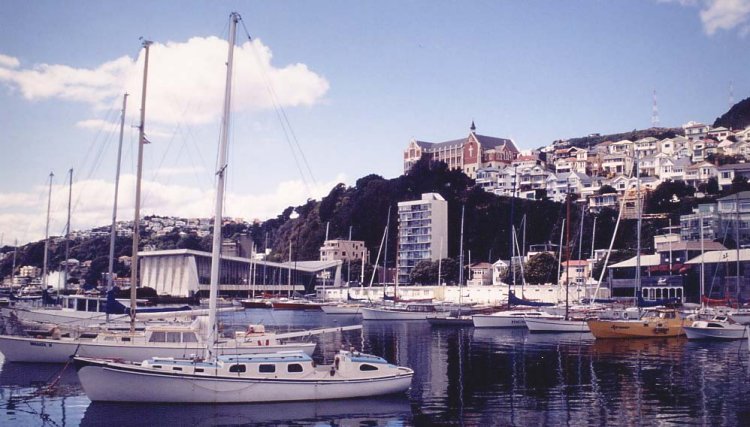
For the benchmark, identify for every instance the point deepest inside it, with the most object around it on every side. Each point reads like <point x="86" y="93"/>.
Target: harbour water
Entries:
<point x="472" y="377"/>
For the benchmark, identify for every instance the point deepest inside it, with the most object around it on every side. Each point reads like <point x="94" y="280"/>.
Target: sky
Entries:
<point x="328" y="91"/>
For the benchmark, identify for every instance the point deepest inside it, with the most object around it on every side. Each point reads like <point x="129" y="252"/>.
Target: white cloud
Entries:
<point x="185" y="81"/>
<point x="24" y="215"/>
<point x="725" y="15"/>
<point x="8" y="61"/>
<point x="95" y="124"/>
<point x="720" y="14"/>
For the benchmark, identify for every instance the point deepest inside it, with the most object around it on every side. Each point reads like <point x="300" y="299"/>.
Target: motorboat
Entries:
<point x="652" y="324"/>
<point x="720" y="327"/>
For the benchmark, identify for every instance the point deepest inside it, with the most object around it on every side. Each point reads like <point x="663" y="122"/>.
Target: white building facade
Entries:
<point x="422" y="233"/>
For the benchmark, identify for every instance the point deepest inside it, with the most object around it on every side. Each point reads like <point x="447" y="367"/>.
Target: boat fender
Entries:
<point x="267" y="343"/>
<point x="336" y="363"/>
<point x="333" y="371"/>
<point x="260" y="342"/>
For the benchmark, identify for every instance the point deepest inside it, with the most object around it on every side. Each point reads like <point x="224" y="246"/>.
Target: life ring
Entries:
<point x="625" y="315"/>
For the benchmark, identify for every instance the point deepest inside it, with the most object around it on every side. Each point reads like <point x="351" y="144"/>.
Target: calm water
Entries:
<point x="466" y="377"/>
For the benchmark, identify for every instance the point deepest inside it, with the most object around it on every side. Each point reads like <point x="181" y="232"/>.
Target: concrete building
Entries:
<point x="345" y="250"/>
<point x="185" y="273"/>
<point x="422" y="232"/>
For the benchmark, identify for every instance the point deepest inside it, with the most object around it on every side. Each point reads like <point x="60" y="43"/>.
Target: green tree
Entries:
<point x="667" y="196"/>
<point x="607" y="189"/>
<point x="423" y="273"/>
<point x="541" y="268"/>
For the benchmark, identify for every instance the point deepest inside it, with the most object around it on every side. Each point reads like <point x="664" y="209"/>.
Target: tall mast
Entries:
<point x="13" y="270"/>
<point x="137" y="216"/>
<point x="113" y="231"/>
<point x="567" y="252"/>
<point x="737" y="244"/>
<point x="638" y="232"/>
<point x="460" y="261"/>
<point x="46" y="233"/>
<point x="67" y="230"/>
<point x="289" y="272"/>
<point x="385" y="252"/>
<point x="440" y="260"/>
<point x="348" y="261"/>
<point x="220" y="176"/>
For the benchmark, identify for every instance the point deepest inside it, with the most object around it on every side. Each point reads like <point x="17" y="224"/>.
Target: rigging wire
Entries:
<point x="289" y="134"/>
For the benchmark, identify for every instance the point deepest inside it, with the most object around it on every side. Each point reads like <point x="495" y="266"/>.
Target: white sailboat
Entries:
<point x="159" y="340"/>
<point x="569" y="322"/>
<point x="282" y="376"/>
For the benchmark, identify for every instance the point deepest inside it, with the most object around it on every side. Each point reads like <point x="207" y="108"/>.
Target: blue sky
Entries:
<point x="357" y="81"/>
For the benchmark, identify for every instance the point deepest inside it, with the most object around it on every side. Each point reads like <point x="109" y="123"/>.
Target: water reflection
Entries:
<point x="463" y="376"/>
<point x="355" y="412"/>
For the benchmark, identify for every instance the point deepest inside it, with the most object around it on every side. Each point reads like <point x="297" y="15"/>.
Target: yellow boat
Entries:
<point x="653" y="324"/>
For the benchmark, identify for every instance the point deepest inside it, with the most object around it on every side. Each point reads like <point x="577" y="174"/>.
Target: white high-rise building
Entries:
<point x="422" y="232"/>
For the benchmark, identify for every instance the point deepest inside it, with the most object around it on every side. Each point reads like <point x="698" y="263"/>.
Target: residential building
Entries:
<point x="575" y="272"/>
<point x="480" y="274"/>
<point x="422" y="232"/>
<point x="695" y="131"/>
<point x="345" y="250"/>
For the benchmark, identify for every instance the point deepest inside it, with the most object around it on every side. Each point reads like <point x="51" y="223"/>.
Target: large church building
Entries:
<point x="467" y="154"/>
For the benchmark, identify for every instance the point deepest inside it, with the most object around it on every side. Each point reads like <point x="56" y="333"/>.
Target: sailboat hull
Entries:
<point x="556" y="325"/>
<point x="36" y="350"/>
<point x="371" y="313"/>
<point x="116" y="382"/>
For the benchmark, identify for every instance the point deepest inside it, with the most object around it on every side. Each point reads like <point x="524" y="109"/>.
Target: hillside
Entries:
<point x="592" y="140"/>
<point x="738" y="117"/>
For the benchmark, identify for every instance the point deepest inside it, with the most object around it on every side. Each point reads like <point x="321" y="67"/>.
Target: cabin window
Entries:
<point x="80" y="305"/>
<point x="157" y="337"/>
<point x="125" y="339"/>
<point x="266" y="368"/>
<point x="176" y="368"/>
<point x="189" y="337"/>
<point x="237" y="368"/>
<point x="156" y="366"/>
<point x="173" y="337"/>
<point x="366" y="367"/>
<point x="294" y="367"/>
<point x="198" y="369"/>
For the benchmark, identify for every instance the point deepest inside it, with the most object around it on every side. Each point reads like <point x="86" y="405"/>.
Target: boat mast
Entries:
<point x="385" y="252"/>
<point x="113" y="230"/>
<point x="440" y="260"/>
<point x="67" y="230"/>
<point x="460" y="261"/>
<point x="46" y="233"/>
<point x="638" y="234"/>
<point x="737" y="244"/>
<point x="567" y="253"/>
<point x="348" y="260"/>
<point x="234" y="17"/>
<point x="137" y="215"/>
<point x="703" y="279"/>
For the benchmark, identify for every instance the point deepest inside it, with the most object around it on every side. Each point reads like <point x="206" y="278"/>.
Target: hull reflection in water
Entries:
<point x="482" y="377"/>
<point x="371" y="412"/>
